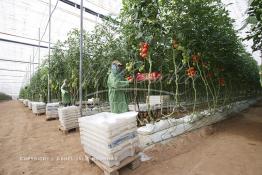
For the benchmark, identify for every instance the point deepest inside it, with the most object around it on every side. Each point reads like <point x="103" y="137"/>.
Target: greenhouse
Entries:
<point x="131" y="86"/>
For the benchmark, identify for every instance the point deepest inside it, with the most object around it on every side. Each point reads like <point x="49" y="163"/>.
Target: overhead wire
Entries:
<point x="16" y="61"/>
<point x="4" y="33"/>
<point x="35" y="53"/>
<point x="68" y="12"/>
<point x="22" y="43"/>
<point x="10" y="76"/>
<point x="15" y="70"/>
<point x="11" y="82"/>
<point x="49" y="19"/>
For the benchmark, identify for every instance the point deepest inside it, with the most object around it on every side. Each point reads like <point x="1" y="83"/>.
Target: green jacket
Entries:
<point x="65" y="94"/>
<point x="117" y="96"/>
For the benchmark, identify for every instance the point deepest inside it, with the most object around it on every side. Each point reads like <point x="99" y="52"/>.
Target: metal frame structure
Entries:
<point x="81" y="57"/>
<point x="39" y="46"/>
<point x="49" y="38"/>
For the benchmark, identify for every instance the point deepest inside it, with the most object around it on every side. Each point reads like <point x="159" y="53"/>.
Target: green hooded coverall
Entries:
<point x="65" y="95"/>
<point x="117" y="96"/>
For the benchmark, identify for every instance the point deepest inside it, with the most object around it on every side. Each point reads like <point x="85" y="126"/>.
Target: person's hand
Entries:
<point x="130" y="80"/>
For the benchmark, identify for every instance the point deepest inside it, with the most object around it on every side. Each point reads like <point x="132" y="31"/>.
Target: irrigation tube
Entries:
<point x="81" y="57"/>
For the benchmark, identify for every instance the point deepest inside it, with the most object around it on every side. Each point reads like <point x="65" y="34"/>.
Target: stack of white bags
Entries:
<point x="38" y="107"/>
<point x="109" y="137"/>
<point x="88" y="111"/>
<point x="25" y="102"/>
<point x="93" y="101"/>
<point x="157" y="99"/>
<point x="68" y="117"/>
<point x="52" y="110"/>
<point x="30" y="104"/>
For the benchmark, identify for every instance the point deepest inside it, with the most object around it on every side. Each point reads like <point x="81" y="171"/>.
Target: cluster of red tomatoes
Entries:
<point x="144" y="49"/>
<point x="129" y="78"/>
<point x="146" y="76"/>
<point x="154" y="76"/>
<point x="191" y="72"/>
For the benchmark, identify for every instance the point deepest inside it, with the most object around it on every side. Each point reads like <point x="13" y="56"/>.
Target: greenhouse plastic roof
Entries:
<point x="21" y="20"/>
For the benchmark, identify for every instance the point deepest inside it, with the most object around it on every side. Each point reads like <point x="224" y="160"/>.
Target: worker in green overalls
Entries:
<point x="65" y="94"/>
<point x="115" y="83"/>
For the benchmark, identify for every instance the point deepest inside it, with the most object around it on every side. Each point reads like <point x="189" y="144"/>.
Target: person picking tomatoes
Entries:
<point x="117" y="96"/>
<point x="65" y="94"/>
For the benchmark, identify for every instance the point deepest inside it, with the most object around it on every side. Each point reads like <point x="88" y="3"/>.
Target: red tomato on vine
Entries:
<point x="129" y="78"/>
<point x="144" y="49"/>
<point x="155" y="75"/>
<point x="191" y="72"/>
<point x="175" y="43"/>
<point x="140" y="76"/>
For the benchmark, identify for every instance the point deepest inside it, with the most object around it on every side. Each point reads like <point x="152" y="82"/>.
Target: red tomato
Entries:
<point x="191" y="72"/>
<point x="144" y="50"/>
<point x="155" y="74"/>
<point x="221" y="81"/>
<point x="146" y="45"/>
<point x="144" y="55"/>
<point x="140" y="77"/>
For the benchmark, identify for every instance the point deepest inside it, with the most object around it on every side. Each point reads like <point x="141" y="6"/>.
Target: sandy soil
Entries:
<point x="232" y="147"/>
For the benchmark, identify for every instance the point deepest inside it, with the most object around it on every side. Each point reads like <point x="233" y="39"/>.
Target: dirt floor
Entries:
<point x="31" y="145"/>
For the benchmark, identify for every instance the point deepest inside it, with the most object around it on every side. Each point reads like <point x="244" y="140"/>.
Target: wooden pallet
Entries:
<point x="49" y="119"/>
<point x="38" y="114"/>
<point x="131" y="162"/>
<point x="66" y="131"/>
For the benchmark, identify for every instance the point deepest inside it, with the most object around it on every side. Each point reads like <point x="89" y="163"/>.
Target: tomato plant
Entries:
<point x="188" y="48"/>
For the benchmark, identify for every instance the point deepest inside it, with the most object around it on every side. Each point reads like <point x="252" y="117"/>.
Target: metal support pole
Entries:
<point x="48" y="85"/>
<point x="30" y="70"/>
<point x="39" y="42"/>
<point x="33" y="61"/>
<point x="81" y="57"/>
<point x="26" y="75"/>
<point x="260" y="70"/>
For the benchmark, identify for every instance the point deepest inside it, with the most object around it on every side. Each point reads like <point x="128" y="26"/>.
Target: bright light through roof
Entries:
<point x="237" y="10"/>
